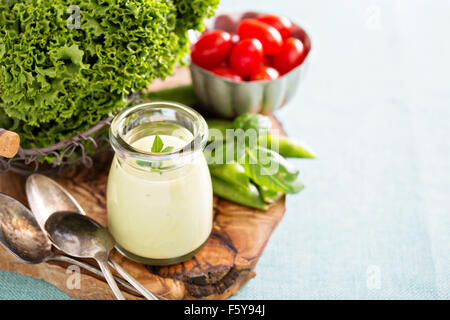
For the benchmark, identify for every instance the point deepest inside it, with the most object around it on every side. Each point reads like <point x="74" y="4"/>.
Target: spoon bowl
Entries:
<point x="82" y="237"/>
<point x="78" y="235"/>
<point x="20" y="233"/>
<point x="46" y="197"/>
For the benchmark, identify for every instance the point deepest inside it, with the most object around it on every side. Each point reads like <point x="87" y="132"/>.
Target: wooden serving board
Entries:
<point x="218" y="271"/>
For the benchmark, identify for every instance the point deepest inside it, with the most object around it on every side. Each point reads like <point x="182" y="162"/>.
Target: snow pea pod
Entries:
<point x="269" y="196"/>
<point x="220" y="126"/>
<point x="287" y="147"/>
<point x="184" y="94"/>
<point x="231" y="172"/>
<point x="267" y="168"/>
<point x="248" y="196"/>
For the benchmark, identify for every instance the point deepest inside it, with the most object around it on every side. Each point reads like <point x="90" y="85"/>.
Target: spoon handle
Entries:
<point x="92" y="269"/>
<point x="109" y="278"/>
<point x="139" y="287"/>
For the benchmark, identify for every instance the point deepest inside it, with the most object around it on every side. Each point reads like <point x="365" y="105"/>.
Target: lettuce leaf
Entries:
<point x="56" y="81"/>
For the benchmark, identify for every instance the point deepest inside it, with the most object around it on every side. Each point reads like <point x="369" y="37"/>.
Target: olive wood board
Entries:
<point x="218" y="271"/>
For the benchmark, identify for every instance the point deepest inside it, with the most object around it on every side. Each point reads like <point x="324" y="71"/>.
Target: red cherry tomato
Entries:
<point x="292" y="54"/>
<point x="227" y="73"/>
<point x="268" y="35"/>
<point x="282" y="24"/>
<point x="212" y="48"/>
<point x="267" y="61"/>
<point x="265" y="73"/>
<point x="222" y="64"/>
<point x="235" y="38"/>
<point x="246" y="56"/>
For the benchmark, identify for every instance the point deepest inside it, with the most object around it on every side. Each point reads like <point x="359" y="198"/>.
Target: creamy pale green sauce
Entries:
<point x="160" y="215"/>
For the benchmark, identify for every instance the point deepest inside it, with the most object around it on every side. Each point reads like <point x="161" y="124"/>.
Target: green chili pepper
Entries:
<point x="231" y="172"/>
<point x="248" y="196"/>
<point x="287" y="147"/>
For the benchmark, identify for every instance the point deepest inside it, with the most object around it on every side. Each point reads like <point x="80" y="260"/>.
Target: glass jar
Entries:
<point x="159" y="203"/>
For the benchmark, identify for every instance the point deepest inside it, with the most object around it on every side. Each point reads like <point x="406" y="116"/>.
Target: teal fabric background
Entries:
<point x="374" y="219"/>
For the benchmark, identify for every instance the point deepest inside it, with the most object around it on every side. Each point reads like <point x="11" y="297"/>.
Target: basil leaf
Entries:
<point x="157" y="145"/>
<point x="268" y="169"/>
<point x="167" y="149"/>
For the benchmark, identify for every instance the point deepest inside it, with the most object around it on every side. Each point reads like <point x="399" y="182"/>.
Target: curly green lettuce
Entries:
<point x="56" y="79"/>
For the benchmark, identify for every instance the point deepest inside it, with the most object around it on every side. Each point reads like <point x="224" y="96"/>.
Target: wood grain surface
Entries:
<point x="218" y="271"/>
<point x="9" y="143"/>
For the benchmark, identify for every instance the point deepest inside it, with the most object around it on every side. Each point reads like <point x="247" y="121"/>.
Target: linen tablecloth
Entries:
<point x="374" y="219"/>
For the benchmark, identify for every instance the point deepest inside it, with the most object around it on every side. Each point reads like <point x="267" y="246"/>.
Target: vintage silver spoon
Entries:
<point x="46" y="196"/>
<point x="21" y="236"/>
<point x="82" y="237"/>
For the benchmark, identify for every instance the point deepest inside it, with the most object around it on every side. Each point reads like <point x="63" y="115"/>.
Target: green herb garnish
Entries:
<point x="167" y="149"/>
<point x="157" y="147"/>
<point x="158" y="144"/>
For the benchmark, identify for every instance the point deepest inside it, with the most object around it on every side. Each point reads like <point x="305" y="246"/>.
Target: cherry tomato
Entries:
<point x="267" y="61"/>
<point x="282" y="24"/>
<point x="265" y="73"/>
<point x="212" y="48"/>
<point x="292" y="54"/>
<point x="246" y="56"/>
<point x="222" y="64"/>
<point x="227" y="73"/>
<point x="235" y="38"/>
<point x="268" y="35"/>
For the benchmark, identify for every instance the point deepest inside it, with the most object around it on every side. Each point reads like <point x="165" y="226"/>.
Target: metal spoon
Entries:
<point x="82" y="237"/>
<point x="46" y="196"/>
<point x="21" y="235"/>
